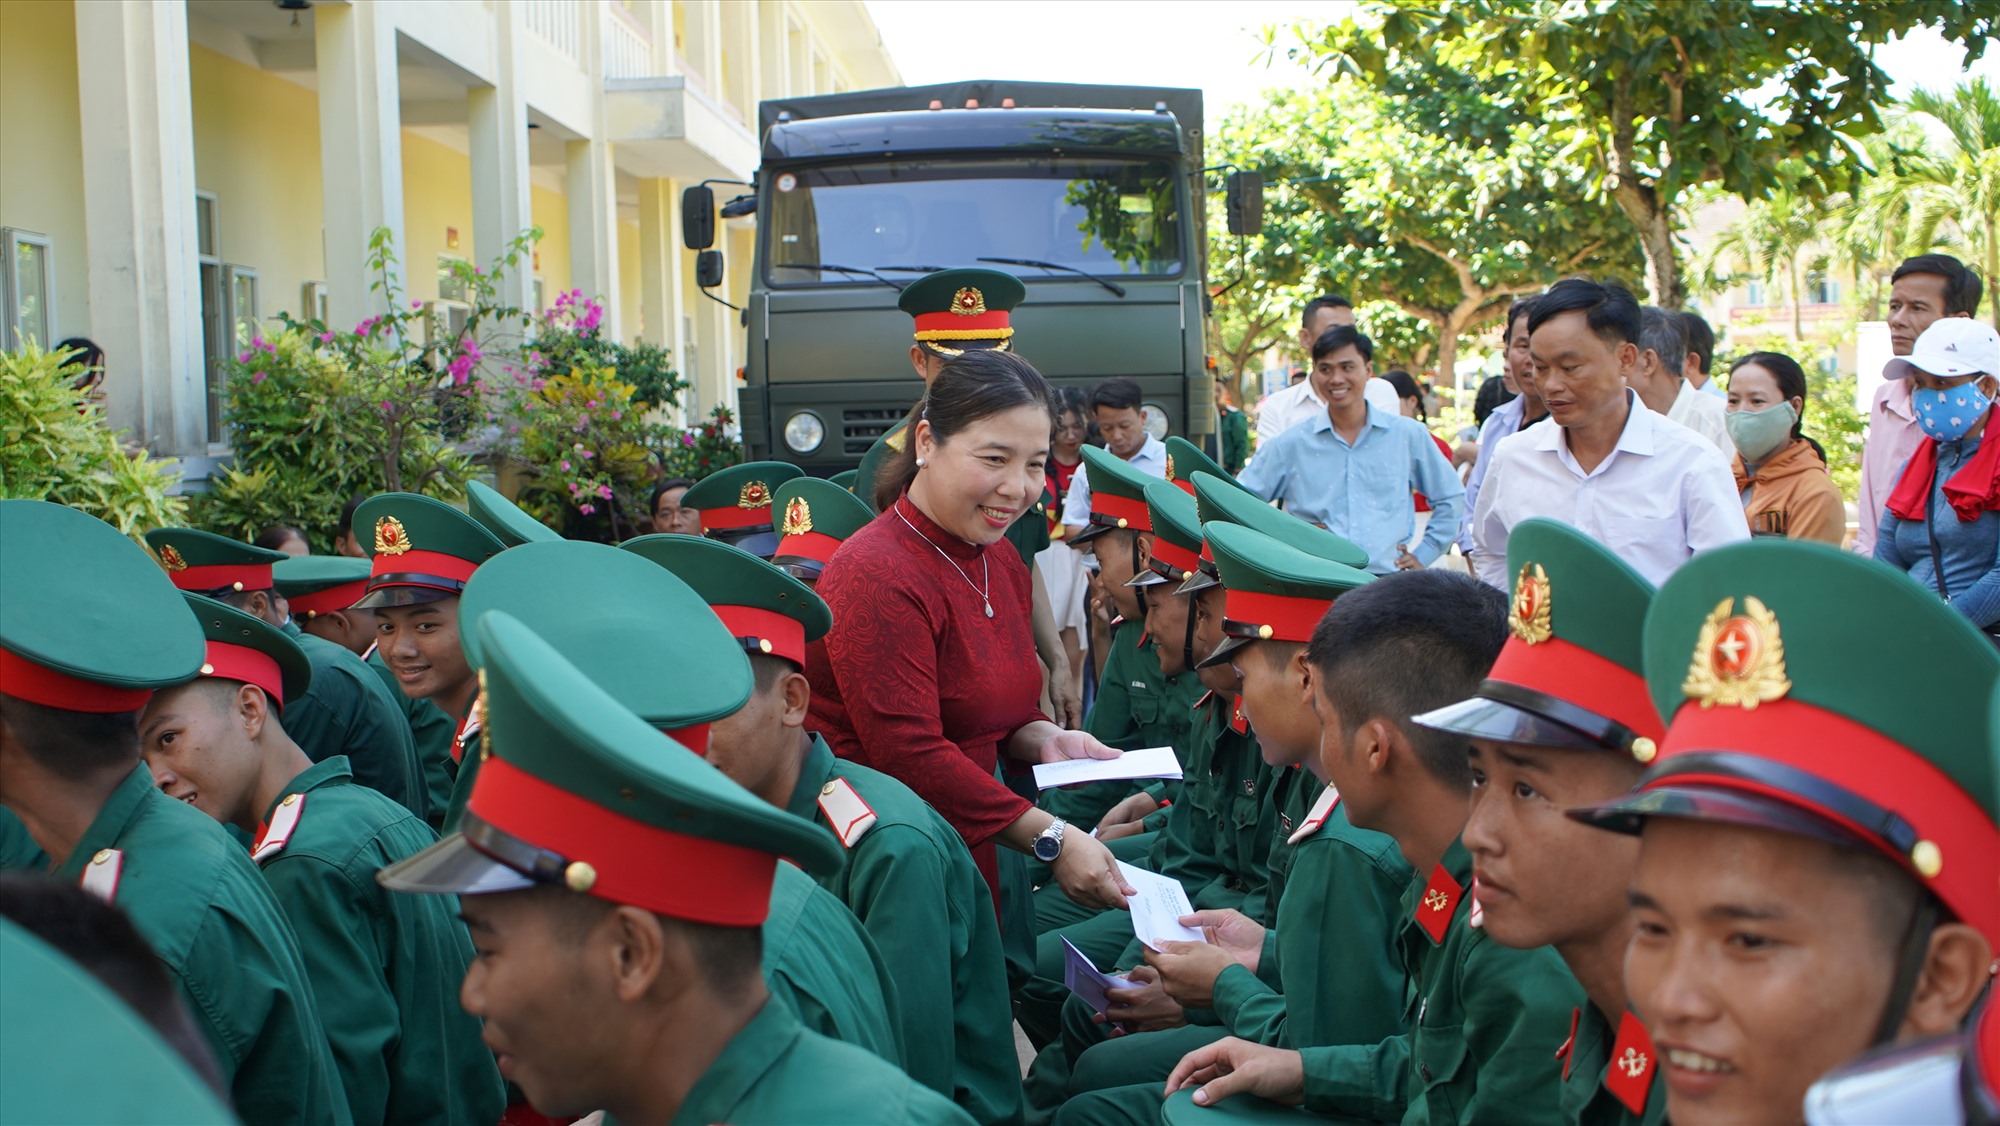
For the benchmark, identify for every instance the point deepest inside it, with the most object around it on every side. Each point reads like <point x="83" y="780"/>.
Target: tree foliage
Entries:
<point x="55" y="446"/>
<point x="1657" y="96"/>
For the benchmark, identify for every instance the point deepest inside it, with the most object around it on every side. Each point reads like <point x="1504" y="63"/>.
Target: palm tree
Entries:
<point x="1778" y="234"/>
<point x="1954" y="187"/>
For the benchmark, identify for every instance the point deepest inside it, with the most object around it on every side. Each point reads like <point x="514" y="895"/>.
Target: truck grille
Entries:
<point x="860" y="426"/>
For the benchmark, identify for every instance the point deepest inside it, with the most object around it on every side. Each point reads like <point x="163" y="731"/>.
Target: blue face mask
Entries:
<point x="1950" y="414"/>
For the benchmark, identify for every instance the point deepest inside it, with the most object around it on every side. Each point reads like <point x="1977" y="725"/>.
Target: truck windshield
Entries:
<point x="1107" y="217"/>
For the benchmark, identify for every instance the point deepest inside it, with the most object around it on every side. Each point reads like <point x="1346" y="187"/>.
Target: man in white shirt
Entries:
<point x="1283" y="409"/>
<point x="1117" y="407"/>
<point x="1657" y="378"/>
<point x="1700" y="355"/>
<point x="1651" y="490"/>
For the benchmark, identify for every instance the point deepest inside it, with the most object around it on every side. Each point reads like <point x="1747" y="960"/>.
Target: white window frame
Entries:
<point x="12" y="334"/>
<point x="445" y="321"/>
<point x="313" y="301"/>
<point x="215" y="334"/>
<point x="442" y="259"/>
<point x="239" y="319"/>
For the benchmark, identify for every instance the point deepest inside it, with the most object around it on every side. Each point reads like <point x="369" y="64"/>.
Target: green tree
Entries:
<point x="1954" y="186"/>
<point x="1657" y="96"/>
<point x="1777" y="236"/>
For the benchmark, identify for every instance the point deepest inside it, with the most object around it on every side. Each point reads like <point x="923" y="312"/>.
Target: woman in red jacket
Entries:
<point x="930" y="671"/>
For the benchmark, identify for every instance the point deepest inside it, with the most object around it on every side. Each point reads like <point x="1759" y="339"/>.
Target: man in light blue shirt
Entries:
<point x="1353" y="469"/>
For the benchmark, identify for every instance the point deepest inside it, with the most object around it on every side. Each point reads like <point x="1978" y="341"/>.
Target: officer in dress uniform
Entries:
<point x="321" y="591"/>
<point x="385" y="968"/>
<point x="908" y="877"/>
<point x="62" y="1026"/>
<point x="735" y="504"/>
<point x="1826" y="787"/>
<point x="1565" y="715"/>
<point x="346" y="711"/>
<point x="814" y="518"/>
<point x="614" y="883"/>
<point x="102" y="630"/>
<point x="650" y="642"/>
<point x="421" y="552"/>
<point x="508" y="522"/>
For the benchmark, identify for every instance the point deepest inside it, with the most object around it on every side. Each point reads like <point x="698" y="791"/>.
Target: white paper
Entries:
<point x="1153" y="762"/>
<point x="1084" y="979"/>
<point x="1158" y="907"/>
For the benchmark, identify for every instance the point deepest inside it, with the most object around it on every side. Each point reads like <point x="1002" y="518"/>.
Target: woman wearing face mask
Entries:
<point x="1780" y="472"/>
<point x="1943" y="520"/>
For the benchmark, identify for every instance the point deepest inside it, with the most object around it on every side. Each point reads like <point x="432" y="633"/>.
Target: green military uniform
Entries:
<point x="1778" y="720"/>
<point x="813" y="518"/>
<point x="345" y="712"/>
<point x="62" y="1026"/>
<point x="649" y="640"/>
<point x="100" y="629"/>
<point x="1571" y="677"/>
<point x="1233" y="435"/>
<point x="18" y="849"/>
<point x="385" y="968"/>
<point x="424" y="550"/>
<point x="318" y="584"/>
<point x="735" y="504"/>
<point x="508" y="522"/>
<point x="558" y="746"/>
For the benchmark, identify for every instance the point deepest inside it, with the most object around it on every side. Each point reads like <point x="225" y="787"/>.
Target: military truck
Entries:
<point x="1095" y="196"/>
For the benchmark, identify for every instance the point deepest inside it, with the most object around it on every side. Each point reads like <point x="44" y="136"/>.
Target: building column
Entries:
<point x="139" y="217"/>
<point x="497" y="144"/>
<point x="662" y="300"/>
<point x="593" y="227"/>
<point x="361" y="150"/>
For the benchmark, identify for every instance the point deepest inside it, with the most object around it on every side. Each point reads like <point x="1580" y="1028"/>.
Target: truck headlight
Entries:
<point x="1157" y="423"/>
<point x="804" y="432"/>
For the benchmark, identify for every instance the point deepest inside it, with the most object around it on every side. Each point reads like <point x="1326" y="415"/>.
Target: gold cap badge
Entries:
<point x="1170" y="468"/>
<point x="754" y="494"/>
<point x="1739" y="659"/>
<point x="798" y="517"/>
<point x="1529" y="618"/>
<point x="171" y="559"/>
<point x="968" y="302"/>
<point x="390" y="537"/>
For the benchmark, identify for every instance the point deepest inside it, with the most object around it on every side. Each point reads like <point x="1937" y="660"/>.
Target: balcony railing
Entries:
<point x="628" y="49"/>
<point x="559" y="22"/>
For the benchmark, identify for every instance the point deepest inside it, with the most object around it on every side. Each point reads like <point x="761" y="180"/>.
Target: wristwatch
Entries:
<point x="1048" y="844"/>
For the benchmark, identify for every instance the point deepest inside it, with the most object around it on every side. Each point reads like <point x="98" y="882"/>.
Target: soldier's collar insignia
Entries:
<point x="1567" y="1053"/>
<point x="968" y="302"/>
<point x="1437" y="904"/>
<point x="754" y="494"/>
<point x="1739" y="659"/>
<point x="390" y="536"/>
<point x="171" y="559"/>
<point x="1633" y="1064"/>
<point x="1529" y="617"/>
<point x="798" y="517"/>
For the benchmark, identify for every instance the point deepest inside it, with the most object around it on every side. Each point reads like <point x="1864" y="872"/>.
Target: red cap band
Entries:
<point x="1860" y="760"/>
<point x="326" y="601"/>
<point x="809" y="545"/>
<point x="251" y="666"/>
<point x="693" y="738"/>
<point x="785" y="634"/>
<point x="1184" y="485"/>
<point x="441" y="564"/>
<point x="963" y="326"/>
<point x="252" y="576"/>
<point x="1136" y="516"/>
<point x="734" y="516"/>
<point x="1290" y="618"/>
<point x="674" y="874"/>
<point x="36" y="683"/>
<point x="1573" y="674"/>
<point x="1174" y="555"/>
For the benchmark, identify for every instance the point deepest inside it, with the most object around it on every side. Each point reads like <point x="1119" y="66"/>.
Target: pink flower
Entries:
<point x="326" y="338"/>
<point x="616" y="415"/>
<point x="604" y="491"/>
<point x="478" y="271"/>
<point x="687" y="439"/>
<point x="586" y="509"/>
<point x="537" y="384"/>
<point x="587" y="455"/>
<point x="592" y="404"/>
<point x="243" y="357"/>
<point x="565" y="468"/>
<point x="416" y="304"/>
<point x="256" y="377"/>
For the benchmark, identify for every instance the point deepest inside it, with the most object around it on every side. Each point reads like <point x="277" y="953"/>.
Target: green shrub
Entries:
<point x="54" y="447"/>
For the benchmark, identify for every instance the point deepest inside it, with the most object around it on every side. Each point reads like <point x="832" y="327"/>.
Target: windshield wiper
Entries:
<point x="1112" y="286"/>
<point x="823" y="266"/>
<point x="914" y="269"/>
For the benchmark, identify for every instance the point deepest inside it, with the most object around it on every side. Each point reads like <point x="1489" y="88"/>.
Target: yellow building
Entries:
<point x="175" y="171"/>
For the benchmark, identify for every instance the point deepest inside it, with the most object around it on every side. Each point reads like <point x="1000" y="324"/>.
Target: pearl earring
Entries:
<point x="920" y="463"/>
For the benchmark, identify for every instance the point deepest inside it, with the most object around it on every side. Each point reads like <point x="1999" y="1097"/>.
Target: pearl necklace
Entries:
<point x="986" y="595"/>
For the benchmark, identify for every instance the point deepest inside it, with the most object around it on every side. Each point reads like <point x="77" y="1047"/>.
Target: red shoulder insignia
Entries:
<point x="1440" y="900"/>
<point x="1633" y="1062"/>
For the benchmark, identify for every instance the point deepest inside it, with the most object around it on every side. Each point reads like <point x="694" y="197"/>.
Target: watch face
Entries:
<point x="1047" y="848"/>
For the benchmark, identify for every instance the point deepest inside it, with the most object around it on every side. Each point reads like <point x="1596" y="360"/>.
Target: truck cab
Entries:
<point x="1092" y="195"/>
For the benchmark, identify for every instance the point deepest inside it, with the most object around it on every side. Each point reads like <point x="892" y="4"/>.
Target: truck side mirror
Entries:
<point x="708" y="269"/>
<point x="698" y="217"/>
<point x="1243" y="201"/>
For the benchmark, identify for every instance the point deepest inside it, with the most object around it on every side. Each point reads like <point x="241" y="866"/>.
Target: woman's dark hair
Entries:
<point x="1071" y="400"/>
<point x="1492" y="395"/>
<point x="969" y="387"/>
<point x="88" y="356"/>
<point x="1791" y="385"/>
<point x="273" y="538"/>
<point x="1406" y="388"/>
